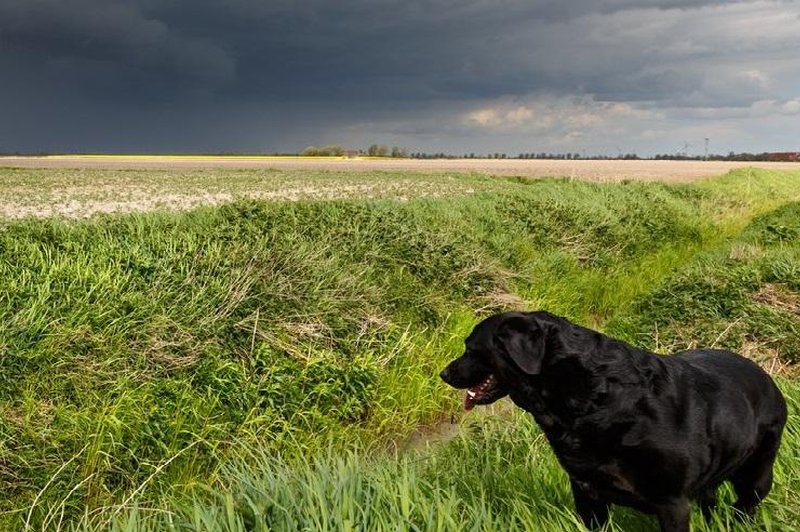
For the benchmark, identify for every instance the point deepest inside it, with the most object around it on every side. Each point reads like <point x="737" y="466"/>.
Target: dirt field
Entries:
<point x="80" y="187"/>
<point x="596" y="170"/>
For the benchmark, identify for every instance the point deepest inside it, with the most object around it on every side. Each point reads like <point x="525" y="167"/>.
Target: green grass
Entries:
<point x="498" y="474"/>
<point x="146" y="357"/>
<point x="743" y="295"/>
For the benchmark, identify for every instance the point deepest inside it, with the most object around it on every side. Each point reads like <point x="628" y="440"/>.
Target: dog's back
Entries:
<point x="737" y="377"/>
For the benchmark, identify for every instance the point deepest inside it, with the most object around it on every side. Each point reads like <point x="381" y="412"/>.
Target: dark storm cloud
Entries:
<point x="283" y="69"/>
<point x="118" y="33"/>
<point x="311" y="49"/>
<point x="390" y="50"/>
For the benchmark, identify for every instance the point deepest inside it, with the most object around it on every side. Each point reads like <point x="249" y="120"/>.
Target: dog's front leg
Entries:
<point x="674" y="516"/>
<point x="592" y="511"/>
<point x="708" y="501"/>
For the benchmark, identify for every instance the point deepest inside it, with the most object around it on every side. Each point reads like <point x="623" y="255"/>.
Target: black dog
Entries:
<point x="630" y="427"/>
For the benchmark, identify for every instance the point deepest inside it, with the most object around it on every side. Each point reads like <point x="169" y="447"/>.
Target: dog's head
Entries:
<point x="501" y="351"/>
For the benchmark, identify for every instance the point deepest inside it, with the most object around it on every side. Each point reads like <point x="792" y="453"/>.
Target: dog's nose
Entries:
<point x="444" y="375"/>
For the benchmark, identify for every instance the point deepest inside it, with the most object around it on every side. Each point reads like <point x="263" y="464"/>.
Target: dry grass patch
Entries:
<point x="779" y="296"/>
<point x="745" y="252"/>
<point x="769" y="358"/>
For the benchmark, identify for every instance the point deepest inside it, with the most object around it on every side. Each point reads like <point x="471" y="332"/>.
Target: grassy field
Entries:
<point x="265" y="364"/>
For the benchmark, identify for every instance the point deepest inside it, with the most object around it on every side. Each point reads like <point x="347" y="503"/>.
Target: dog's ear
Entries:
<point x="523" y="339"/>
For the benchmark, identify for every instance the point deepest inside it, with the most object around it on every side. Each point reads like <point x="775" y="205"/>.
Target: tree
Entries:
<point x="320" y="151"/>
<point x="332" y="149"/>
<point x="378" y="150"/>
<point x="399" y="153"/>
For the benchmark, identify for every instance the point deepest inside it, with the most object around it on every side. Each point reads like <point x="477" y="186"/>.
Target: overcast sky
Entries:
<point x="586" y="76"/>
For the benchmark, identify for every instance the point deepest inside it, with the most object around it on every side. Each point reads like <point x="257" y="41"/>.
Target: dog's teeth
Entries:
<point x="471" y="393"/>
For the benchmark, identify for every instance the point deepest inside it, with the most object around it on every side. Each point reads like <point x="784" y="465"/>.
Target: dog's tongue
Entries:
<point x="469" y="401"/>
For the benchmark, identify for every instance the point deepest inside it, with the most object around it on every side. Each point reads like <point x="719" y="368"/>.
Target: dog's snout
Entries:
<point x="444" y="375"/>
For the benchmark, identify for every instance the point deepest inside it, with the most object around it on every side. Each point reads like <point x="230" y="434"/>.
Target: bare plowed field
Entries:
<point x="590" y="169"/>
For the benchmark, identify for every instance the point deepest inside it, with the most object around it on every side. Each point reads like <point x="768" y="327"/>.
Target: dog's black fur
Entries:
<point x="631" y="427"/>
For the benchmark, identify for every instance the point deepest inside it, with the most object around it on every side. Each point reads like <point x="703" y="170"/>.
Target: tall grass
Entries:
<point x="498" y="474"/>
<point x="140" y="352"/>
<point x="742" y="295"/>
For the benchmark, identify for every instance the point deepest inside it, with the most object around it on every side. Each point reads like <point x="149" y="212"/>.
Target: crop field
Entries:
<point x="81" y="193"/>
<point x="82" y="186"/>
<point x="597" y="170"/>
<point x="201" y="347"/>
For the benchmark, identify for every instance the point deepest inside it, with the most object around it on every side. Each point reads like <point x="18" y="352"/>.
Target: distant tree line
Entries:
<point x="731" y="156"/>
<point x="336" y="150"/>
<point x="529" y="155"/>
<point x="382" y="150"/>
<point x="322" y="151"/>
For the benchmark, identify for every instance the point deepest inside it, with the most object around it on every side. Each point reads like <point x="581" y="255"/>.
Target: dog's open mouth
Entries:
<point x="480" y="392"/>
